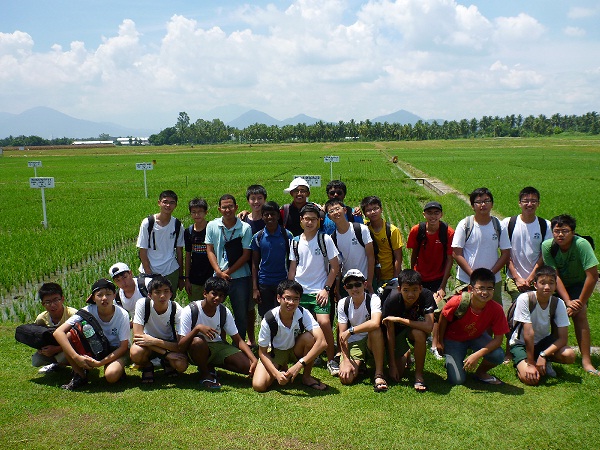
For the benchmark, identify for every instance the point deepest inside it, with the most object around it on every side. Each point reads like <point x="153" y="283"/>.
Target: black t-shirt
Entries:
<point x="201" y="269"/>
<point x="293" y="221"/>
<point x="394" y="306"/>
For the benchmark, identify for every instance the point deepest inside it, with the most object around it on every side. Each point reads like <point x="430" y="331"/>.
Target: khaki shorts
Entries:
<point x="282" y="358"/>
<point x="359" y="350"/>
<point x="220" y="351"/>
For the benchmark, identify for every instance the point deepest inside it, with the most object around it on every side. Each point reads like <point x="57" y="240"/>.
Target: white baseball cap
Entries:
<point x="296" y="182"/>
<point x="353" y="273"/>
<point x="117" y="269"/>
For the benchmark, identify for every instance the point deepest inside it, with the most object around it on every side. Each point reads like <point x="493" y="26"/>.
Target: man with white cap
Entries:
<point x="290" y="212"/>
<point x="131" y="289"/>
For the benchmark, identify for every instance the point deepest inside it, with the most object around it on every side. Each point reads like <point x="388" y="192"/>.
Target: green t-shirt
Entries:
<point x="572" y="264"/>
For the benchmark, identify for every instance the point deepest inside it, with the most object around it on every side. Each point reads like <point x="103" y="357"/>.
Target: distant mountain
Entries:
<point x="402" y="117"/>
<point x="300" y="118"/>
<point x="254" y="116"/>
<point x="225" y="113"/>
<point x="49" y="123"/>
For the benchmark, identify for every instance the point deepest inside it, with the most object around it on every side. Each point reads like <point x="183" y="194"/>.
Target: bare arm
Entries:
<point x="504" y="258"/>
<point x="425" y="326"/>
<point x="457" y="254"/>
<point x="150" y="342"/>
<point x="145" y="261"/>
<point x="214" y="263"/>
<point x="397" y="261"/>
<point x="370" y="266"/>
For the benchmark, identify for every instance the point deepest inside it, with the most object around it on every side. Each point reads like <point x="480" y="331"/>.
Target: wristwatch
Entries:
<point x="543" y="355"/>
<point x="327" y="288"/>
<point x="351" y="330"/>
<point x="301" y="361"/>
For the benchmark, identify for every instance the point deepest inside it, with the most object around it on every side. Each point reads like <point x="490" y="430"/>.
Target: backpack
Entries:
<point x="274" y="327"/>
<point x="141" y="285"/>
<point x="347" y="306"/>
<point x="513" y="221"/>
<point x="222" y="315"/>
<point x="152" y="239"/>
<point x="388" y="234"/>
<point x="147" y="308"/>
<point x="422" y="239"/>
<point x="386" y="289"/>
<point x="463" y="307"/>
<point x="469" y="222"/>
<point x="80" y="342"/>
<point x="322" y="247"/>
<point x="357" y="233"/>
<point x="532" y="304"/>
<point x="554" y="246"/>
<point x="36" y="336"/>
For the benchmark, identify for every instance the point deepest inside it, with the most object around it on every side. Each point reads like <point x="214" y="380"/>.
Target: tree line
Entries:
<point x="216" y="132"/>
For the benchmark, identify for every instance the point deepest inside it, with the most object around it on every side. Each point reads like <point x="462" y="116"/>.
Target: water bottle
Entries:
<point x="92" y="338"/>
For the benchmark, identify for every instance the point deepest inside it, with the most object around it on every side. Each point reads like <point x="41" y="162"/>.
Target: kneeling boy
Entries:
<point x="114" y="322"/>
<point x="464" y="322"/>
<point x="201" y="335"/>
<point x="408" y="316"/>
<point x="359" y="324"/>
<point x="294" y="335"/>
<point x="532" y="343"/>
<point x="154" y="323"/>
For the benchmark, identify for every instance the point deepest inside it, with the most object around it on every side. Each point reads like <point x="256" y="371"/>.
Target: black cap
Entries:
<point x="432" y="205"/>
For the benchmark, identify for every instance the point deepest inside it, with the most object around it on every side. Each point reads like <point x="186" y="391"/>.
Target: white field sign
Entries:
<point x="42" y="183"/>
<point x="331" y="160"/>
<point x="312" y="180"/>
<point x="144" y="166"/>
<point x="35" y="165"/>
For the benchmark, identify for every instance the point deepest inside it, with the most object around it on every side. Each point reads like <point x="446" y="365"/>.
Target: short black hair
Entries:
<point x="270" y="206"/>
<point x="256" y="189"/>
<point x="410" y="277"/>
<point x="370" y="200"/>
<point x="336" y="184"/>
<point x="480" y="192"/>
<point x="159" y="281"/>
<point x="227" y="197"/>
<point x="49" y="289"/>
<point x="310" y="208"/>
<point x="529" y="190"/>
<point x="482" y="274"/>
<point x="167" y="193"/>
<point x="545" y="271"/>
<point x="198" y="202"/>
<point x="289" y="285"/>
<point x="217" y="284"/>
<point x="563" y="220"/>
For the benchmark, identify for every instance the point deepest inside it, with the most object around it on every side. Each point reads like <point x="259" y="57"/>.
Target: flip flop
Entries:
<point x="420" y="386"/>
<point x="594" y="372"/>
<point x="492" y="380"/>
<point x="382" y="386"/>
<point x="317" y="385"/>
<point x="147" y="375"/>
<point x="211" y="383"/>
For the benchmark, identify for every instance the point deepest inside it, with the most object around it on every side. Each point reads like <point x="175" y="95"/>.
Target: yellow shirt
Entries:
<point x="44" y="318"/>
<point x="385" y="254"/>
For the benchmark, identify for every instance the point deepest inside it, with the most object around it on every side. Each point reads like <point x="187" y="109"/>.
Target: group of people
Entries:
<point x="302" y="263"/>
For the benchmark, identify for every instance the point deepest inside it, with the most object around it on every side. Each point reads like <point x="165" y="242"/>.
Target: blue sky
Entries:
<point x="139" y="63"/>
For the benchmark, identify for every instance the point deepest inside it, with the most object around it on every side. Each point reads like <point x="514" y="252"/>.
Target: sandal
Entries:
<point x="420" y="386"/>
<point x="170" y="372"/>
<point x="380" y="386"/>
<point x="148" y="374"/>
<point x="211" y="383"/>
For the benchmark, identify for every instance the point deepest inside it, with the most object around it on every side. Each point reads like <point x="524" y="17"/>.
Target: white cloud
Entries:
<point x="574" y="32"/>
<point x="579" y="12"/>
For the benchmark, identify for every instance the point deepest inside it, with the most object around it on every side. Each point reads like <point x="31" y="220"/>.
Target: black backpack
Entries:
<point x="274" y="327"/>
<point x="222" y="315"/>
<point x="513" y="221"/>
<point x="36" y="336"/>
<point x="532" y="305"/>
<point x="147" y="308"/>
<point x="77" y="330"/>
<point x="347" y="305"/>
<point x="152" y="239"/>
<point x="357" y="233"/>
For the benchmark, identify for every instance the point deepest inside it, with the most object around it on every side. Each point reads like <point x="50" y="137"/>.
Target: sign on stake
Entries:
<point x="35" y="165"/>
<point x="144" y="166"/>
<point x="331" y="160"/>
<point x="42" y="183"/>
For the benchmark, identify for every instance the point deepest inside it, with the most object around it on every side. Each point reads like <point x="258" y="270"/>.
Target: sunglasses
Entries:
<point x="353" y="285"/>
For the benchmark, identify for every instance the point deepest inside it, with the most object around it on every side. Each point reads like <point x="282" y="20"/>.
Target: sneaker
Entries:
<point x="434" y="352"/>
<point x="334" y="368"/>
<point x="75" y="383"/>
<point x="550" y="370"/>
<point x="49" y="368"/>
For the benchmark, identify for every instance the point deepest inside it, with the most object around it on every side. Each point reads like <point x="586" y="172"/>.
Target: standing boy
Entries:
<point x="200" y="335"/>
<point x="337" y="189"/>
<point x="51" y="357"/>
<point x="270" y="255"/>
<point x="294" y="336"/>
<point x="464" y="322"/>
<point x="476" y="242"/>
<point x="228" y="248"/>
<point x="573" y="258"/>
<point x="160" y="242"/>
<point x="197" y="265"/>
<point x="532" y="343"/>
<point x="359" y="322"/>
<point x="314" y="264"/>
<point x="526" y="233"/>
<point x="387" y="242"/>
<point x="156" y="319"/>
<point x="290" y="212"/>
<point x="408" y="317"/>
<point x="114" y="322"/>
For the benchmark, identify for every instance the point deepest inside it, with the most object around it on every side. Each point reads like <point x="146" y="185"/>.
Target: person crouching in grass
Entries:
<point x="114" y="322"/>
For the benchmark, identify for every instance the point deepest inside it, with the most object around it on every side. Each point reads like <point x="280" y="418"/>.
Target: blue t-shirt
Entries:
<point x="273" y="255"/>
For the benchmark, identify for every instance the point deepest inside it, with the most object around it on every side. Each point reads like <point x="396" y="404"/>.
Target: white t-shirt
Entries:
<point x="481" y="250"/>
<point x="130" y="302"/>
<point x="185" y="323"/>
<point x="162" y="259"/>
<point x="358" y="316"/>
<point x="539" y="318"/>
<point x="159" y="325"/>
<point x="311" y="271"/>
<point x="526" y="244"/>
<point x="286" y="337"/>
<point x="352" y="254"/>
<point x="116" y="330"/>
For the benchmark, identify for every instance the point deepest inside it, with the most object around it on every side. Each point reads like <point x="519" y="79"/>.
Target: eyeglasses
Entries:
<point x="334" y="192"/>
<point x="302" y="191"/>
<point x="335" y="210"/>
<point x="353" y="285"/>
<point x="481" y="290"/>
<point x="563" y="231"/>
<point x="289" y="299"/>
<point x="482" y="202"/>
<point x="309" y="219"/>
<point x="529" y="201"/>
<point x="227" y="208"/>
<point x="52" y="301"/>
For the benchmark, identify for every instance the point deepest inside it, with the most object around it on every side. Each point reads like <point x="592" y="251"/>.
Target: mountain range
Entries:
<point x="49" y="123"/>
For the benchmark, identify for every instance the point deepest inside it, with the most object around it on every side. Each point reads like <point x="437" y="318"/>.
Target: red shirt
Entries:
<point x="430" y="263"/>
<point x="472" y="325"/>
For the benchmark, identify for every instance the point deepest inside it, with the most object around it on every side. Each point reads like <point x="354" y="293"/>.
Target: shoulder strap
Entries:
<point x="334" y="237"/>
<point x="463" y="307"/>
<point x="532" y="297"/>
<point x="554" y="249"/>
<point x="543" y="227"/>
<point x="258" y="236"/>
<point x="118" y="300"/>
<point x="89" y="318"/>
<point x="347" y="305"/>
<point x="286" y="214"/>
<point x="301" y="320"/>
<point x="191" y="229"/>
<point x="147" y="310"/>
<point x="194" y="311"/>
<point x="151" y="221"/>
<point x="421" y="237"/>
<point x="358" y="233"/>
<point x="497" y="227"/>
<point x="141" y="284"/>
<point x="222" y="316"/>
<point x="388" y="234"/>
<point x="177" y="231"/>
<point x="322" y="246"/>
<point x="368" y="300"/>
<point x="273" y="327"/>
<point x="172" y="319"/>
<point x="295" y="243"/>
<point x="511" y="227"/>
<point x="468" y="226"/>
